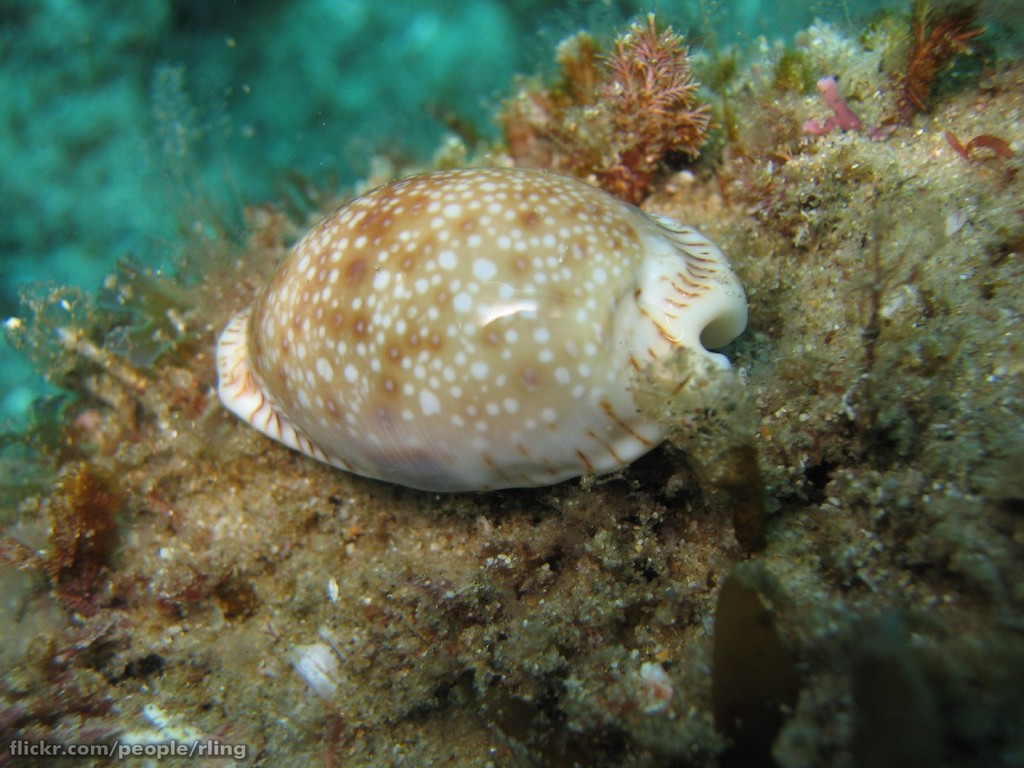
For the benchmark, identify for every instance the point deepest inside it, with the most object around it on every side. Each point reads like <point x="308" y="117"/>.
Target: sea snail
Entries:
<point x="475" y="329"/>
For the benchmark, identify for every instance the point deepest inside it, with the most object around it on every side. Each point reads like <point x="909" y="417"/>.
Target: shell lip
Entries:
<point x="689" y="289"/>
<point x="240" y="392"/>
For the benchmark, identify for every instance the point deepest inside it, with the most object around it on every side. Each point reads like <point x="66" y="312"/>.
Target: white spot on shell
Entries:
<point x="429" y="403"/>
<point x="324" y="369"/>
<point x="447" y="259"/>
<point x="463" y="302"/>
<point x="484" y="269"/>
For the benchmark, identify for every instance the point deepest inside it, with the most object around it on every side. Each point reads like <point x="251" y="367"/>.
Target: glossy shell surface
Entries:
<point x="475" y="329"/>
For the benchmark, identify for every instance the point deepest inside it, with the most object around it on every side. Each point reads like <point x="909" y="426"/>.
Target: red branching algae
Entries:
<point x="652" y="98"/>
<point x="938" y="38"/>
<point x="615" y="120"/>
<point x="1000" y="146"/>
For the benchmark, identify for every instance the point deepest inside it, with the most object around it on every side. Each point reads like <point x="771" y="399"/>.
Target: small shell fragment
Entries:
<point x="475" y="329"/>
<point x="319" y="666"/>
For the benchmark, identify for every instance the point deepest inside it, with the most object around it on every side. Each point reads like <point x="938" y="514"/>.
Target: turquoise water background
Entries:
<point x="112" y="111"/>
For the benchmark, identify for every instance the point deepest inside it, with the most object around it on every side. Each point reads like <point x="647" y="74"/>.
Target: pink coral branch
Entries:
<point x="844" y="119"/>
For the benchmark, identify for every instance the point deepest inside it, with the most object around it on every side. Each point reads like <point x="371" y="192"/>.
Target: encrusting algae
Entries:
<point x="874" y="410"/>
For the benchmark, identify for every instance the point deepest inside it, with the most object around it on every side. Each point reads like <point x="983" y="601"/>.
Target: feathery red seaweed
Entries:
<point x="617" y="120"/>
<point x="939" y="36"/>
